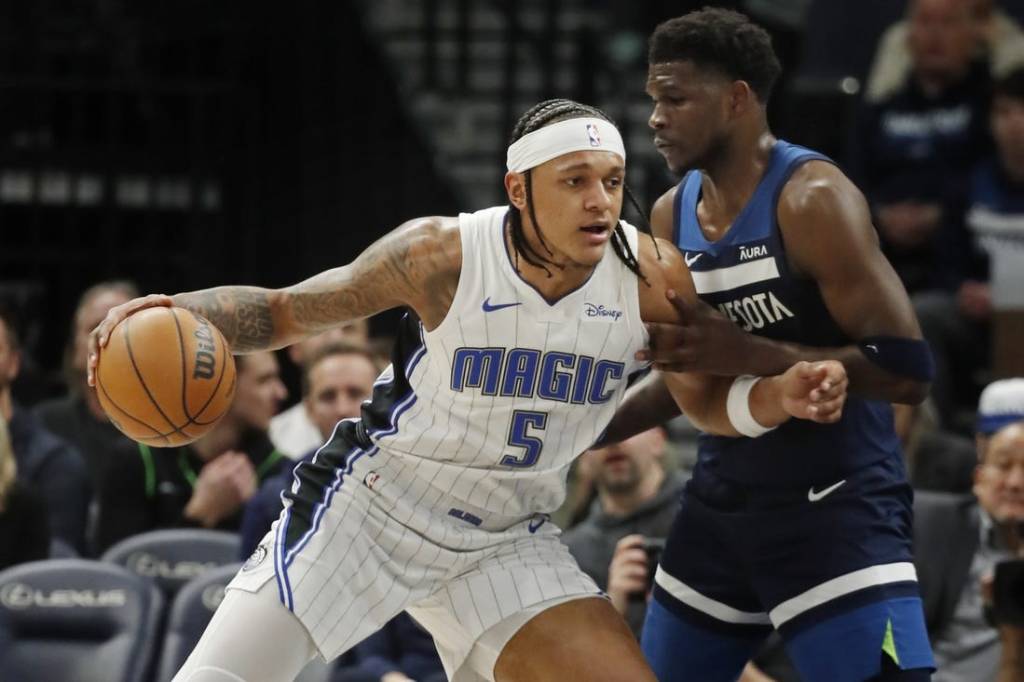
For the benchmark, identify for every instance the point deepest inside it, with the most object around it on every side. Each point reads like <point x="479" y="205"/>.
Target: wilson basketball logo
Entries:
<point x="206" y="362"/>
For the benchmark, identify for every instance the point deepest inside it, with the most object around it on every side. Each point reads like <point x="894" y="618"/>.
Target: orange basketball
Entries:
<point x="165" y="376"/>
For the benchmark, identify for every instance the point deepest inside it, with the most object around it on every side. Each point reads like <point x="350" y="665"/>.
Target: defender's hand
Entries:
<point x="815" y="390"/>
<point x="99" y="336"/>
<point x="704" y="340"/>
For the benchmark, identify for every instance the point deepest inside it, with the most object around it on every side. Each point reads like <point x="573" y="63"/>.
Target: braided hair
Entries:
<point x="535" y="118"/>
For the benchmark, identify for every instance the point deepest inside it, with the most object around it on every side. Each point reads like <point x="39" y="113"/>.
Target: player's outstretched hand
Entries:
<point x="703" y="340"/>
<point x="815" y="390"/>
<point x="101" y="334"/>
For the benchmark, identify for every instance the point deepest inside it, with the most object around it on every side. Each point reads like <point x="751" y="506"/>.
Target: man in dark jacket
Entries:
<point x="617" y="544"/>
<point x="46" y="463"/>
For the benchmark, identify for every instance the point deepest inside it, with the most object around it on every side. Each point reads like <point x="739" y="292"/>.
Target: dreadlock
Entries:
<point x="535" y="118"/>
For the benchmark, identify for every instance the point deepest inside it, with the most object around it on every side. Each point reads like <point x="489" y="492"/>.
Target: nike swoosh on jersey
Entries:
<point x="690" y="261"/>
<point x="537" y="522"/>
<point x="490" y="308"/>
<point x="814" y="496"/>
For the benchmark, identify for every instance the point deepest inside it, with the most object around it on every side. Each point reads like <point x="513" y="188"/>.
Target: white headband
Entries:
<point x="572" y="135"/>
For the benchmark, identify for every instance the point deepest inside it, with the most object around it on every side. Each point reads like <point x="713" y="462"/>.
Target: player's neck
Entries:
<point x="626" y="502"/>
<point x="731" y="180"/>
<point x="558" y="278"/>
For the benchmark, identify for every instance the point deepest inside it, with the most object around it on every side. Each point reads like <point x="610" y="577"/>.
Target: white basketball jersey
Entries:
<point x="509" y="388"/>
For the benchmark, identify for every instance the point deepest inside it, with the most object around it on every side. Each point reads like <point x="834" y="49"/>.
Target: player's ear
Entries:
<point x="741" y="97"/>
<point x="515" y="187"/>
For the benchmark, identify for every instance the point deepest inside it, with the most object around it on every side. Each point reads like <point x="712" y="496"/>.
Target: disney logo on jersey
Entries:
<point x="756" y="311"/>
<point x="601" y="312"/>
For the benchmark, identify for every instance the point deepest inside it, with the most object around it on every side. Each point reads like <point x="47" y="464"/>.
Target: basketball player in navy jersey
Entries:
<point x="805" y="528"/>
<point x="436" y="500"/>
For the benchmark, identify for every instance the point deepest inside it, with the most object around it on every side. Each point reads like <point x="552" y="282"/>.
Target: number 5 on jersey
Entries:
<point x="519" y="436"/>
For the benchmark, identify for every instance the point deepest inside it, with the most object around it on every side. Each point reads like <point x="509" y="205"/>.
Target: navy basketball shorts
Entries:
<point x="828" y="566"/>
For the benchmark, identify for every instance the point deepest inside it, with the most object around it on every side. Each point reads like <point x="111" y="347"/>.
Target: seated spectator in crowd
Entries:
<point x="956" y="321"/>
<point x="937" y="459"/>
<point x="401" y="651"/>
<point x="292" y="431"/>
<point x="336" y="379"/>
<point x="24" y="529"/>
<point x="958" y="540"/>
<point x="999" y="40"/>
<point x="636" y="503"/>
<point x="78" y="417"/>
<point x="208" y="482"/>
<point x="46" y="463"/>
<point x="914" y="150"/>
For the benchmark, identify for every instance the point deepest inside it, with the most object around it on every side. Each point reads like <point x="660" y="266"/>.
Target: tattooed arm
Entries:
<point x="415" y="265"/>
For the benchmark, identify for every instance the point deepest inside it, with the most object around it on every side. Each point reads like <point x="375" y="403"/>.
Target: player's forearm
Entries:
<point x="707" y="408"/>
<point x="648" y="404"/>
<point x="246" y="316"/>
<point x="765" y="357"/>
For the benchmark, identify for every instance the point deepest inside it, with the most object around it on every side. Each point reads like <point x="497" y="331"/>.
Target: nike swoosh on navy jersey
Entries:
<point x="490" y="308"/>
<point x="690" y="261"/>
<point x="814" y="496"/>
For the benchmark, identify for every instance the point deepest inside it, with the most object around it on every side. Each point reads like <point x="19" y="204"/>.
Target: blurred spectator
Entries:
<point x="914" y="150"/>
<point x="636" y="503"/>
<point x="207" y="482"/>
<point x="958" y="540"/>
<point x="78" y="417"/>
<point x="401" y="651"/>
<point x="998" y="38"/>
<point x="24" y="530"/>
<point x="292" y="432"/>
<point x="937" y="460"/>
<point x="956" y="321"/>
<point x="336" y="379"/>
<point x="49" y="465"/>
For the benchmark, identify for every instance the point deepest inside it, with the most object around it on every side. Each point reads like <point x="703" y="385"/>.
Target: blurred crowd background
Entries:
<point x="155" y="147"/>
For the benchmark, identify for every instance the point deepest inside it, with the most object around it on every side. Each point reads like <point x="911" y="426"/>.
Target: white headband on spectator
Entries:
<point x="572" y="135"/>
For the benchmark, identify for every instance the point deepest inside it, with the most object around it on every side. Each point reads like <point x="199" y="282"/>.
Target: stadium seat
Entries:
<point x="73" y="619"/>
<point x="173" y="557"/>
<point x="191" y="612"/>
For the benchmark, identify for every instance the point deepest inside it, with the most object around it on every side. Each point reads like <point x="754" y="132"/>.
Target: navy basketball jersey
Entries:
<point x="746" y="275"/>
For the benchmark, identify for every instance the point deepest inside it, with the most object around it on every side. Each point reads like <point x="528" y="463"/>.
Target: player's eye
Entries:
<point x="574" y="181"/>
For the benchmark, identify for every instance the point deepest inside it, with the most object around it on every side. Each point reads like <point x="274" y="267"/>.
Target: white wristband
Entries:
<point x="737" y="407"/>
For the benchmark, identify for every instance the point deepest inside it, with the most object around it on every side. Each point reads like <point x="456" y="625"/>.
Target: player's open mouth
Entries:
<point x="596" y="233"/>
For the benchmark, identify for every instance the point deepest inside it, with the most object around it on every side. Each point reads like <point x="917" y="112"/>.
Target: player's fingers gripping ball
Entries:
<point x="165" y="377"/>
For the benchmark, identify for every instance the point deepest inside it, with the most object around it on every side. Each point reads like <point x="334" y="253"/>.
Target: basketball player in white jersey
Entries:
<point x="435" y="501"/>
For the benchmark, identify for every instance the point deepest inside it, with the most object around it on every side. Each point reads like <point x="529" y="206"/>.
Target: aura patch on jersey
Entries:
<point x="528" y="373"/>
